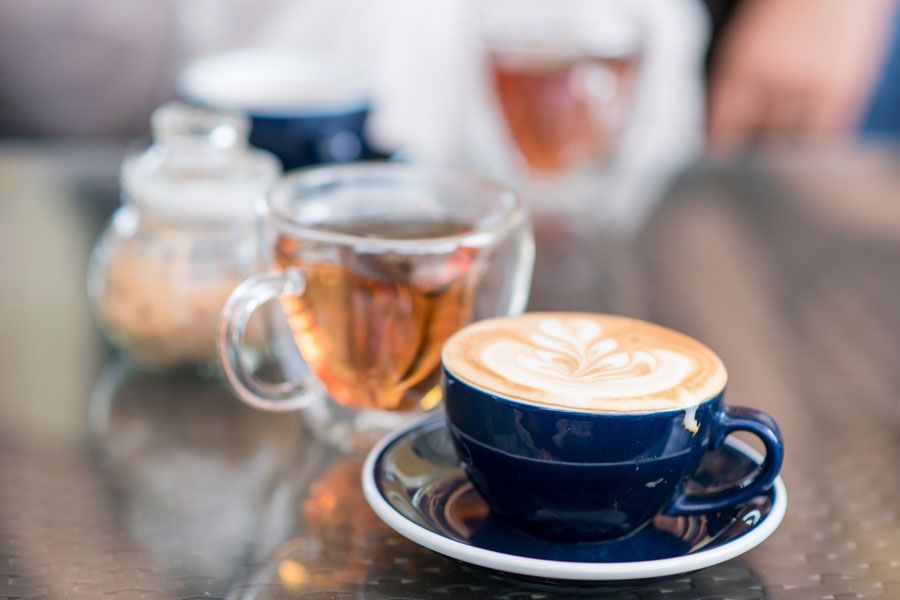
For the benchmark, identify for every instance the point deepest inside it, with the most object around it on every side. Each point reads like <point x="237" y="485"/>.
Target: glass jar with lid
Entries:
<point x="184" y="237"/>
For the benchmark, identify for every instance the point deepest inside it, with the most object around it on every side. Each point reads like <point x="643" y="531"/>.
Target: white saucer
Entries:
<point x="413" y="482"/>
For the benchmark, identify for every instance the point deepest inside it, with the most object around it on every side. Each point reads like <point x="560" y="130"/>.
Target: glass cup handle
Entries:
<point x="243" y="301"/>
<point x="738" y="418"/>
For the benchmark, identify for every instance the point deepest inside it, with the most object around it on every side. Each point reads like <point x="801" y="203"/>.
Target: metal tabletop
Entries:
<point x="120" y="484"/>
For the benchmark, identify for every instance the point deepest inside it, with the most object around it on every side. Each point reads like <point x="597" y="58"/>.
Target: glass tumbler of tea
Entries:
<point x="375" y="265"/>
<point x="561" y="77"/>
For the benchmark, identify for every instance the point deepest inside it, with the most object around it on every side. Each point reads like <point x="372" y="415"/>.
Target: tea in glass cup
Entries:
<point x="563" y="76"/>
<point x="372" y="330"/>
<point x="375" y="266"/>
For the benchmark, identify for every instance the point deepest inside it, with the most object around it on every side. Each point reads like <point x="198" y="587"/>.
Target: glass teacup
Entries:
<point x="561" y="79"/>
<point x="375" y="266"/>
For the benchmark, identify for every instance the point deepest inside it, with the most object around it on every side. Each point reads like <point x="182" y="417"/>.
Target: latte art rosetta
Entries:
<point x="576" y="351"/>
<point x="588" y="362"/>
<point x="565" y="358"/>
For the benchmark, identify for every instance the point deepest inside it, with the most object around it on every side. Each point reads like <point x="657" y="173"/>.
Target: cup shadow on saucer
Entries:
<point x="448" y="504"/>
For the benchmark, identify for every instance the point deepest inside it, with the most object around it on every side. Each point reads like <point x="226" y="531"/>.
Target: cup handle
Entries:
<point x="738" y="418"/>
<point x="243" y="301"/>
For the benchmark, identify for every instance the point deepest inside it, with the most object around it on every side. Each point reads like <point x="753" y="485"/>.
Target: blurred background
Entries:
<point x="657" y="84"/>
<point x="768" y="67"/>
<point x="663" y="145"/>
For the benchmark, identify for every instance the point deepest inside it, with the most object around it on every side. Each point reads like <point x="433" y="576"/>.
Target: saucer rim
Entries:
<point x="566" y="570"/>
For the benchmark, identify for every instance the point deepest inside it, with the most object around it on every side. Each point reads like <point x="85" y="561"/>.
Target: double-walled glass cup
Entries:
<point x="561" y="78"/>
<point x="375" y="266"/>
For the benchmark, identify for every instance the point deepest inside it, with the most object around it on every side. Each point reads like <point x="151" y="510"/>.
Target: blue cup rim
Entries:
<point x="302" y="114"/>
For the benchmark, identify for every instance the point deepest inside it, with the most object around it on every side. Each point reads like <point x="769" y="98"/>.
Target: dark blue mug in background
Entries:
<point x="563" y="468"/>
<point x="305" y="107"/>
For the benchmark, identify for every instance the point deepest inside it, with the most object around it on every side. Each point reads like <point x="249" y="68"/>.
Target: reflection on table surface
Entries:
<point x="125" y="484"/>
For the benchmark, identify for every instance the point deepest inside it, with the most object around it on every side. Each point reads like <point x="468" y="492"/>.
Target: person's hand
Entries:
<point x="796" y="69"/>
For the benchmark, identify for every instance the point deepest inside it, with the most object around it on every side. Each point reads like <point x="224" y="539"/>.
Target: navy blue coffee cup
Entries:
<point x="304" y="107"/>
<point x="578" y="475"/>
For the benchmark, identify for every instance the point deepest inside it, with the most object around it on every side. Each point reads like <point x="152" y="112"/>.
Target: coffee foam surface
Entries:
<point x="587" y="362"/>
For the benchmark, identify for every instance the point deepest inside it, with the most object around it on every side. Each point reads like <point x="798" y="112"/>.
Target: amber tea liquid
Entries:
<point x="562" y="111"/>
<point x="371" y="326"/>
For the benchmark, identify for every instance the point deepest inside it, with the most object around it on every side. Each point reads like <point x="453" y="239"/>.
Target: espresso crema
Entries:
<point x="583" y="361"/>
